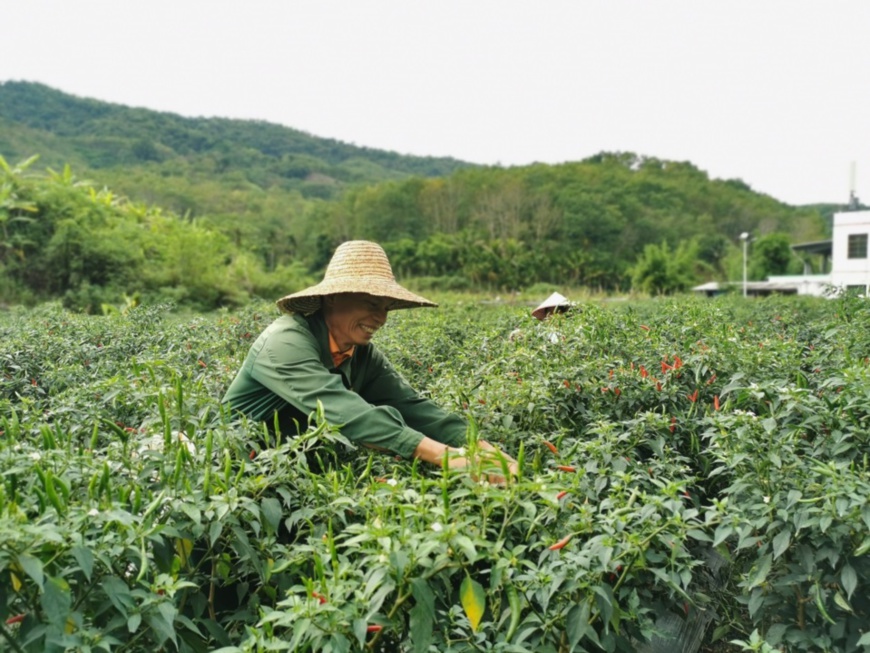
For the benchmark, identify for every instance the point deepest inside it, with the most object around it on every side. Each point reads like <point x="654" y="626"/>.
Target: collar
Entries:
<point x="338" y="357"/>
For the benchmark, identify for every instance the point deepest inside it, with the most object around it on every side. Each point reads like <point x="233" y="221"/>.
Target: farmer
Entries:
<point x="321" y="350"/>
<point x="555" y="304"/>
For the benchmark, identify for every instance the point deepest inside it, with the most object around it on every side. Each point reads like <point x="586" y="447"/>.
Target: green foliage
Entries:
<point x="676" y="429"/>
<point x="289" y="198"/>
<point x="659" y="271"/>
<point x="61" y="238"/>
<point x="770" y="255"/>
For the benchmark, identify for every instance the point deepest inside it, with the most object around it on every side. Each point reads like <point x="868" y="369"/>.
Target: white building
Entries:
<point x="845" y="263"/>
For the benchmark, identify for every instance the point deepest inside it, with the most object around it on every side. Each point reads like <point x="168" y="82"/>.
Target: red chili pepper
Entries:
<point x="693" y="397"/>
<point x="319" y="597"/>
<point x="617" y="391"/>
<point x="566" y="468"/>
<point x="566" y="383"/>
<point x="665" y="367"/>
<point x="678" y="362"/>
<point x="560" y="544"/>
<point x="252" y="455"/>
<point x="644" y="327"/>
<point x="659" y="386"/>
<point x="17" y="619"/>
<point x="673" y="424"/>
<point x="561" y="495"/>
<point x="716" y="402"/>
<point x="201" y="364"/>
<point x="712" y="378"/>
<point x="374" y="628"/>
<point x="551" y="447"/>
<point x="643" y="372"/>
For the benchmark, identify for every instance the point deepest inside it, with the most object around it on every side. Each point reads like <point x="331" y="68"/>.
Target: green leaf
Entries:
<point x="119" y="594"/>
<point x="698" y="534"/>
<point x="85" y="559"/>
<point x="473" y="599"/>
<point x="756" y="599"/>
<point x="162" y="621"/>
<point x="577" y="623"/>
<point x="761" y="571"/>
<point x="849" y="579"/>
<point x="272" y="512"/>
<point x="56" y="600"/>
<point x="32" y="567"/>
<point x="781" y="542"/>
<point x="464" y="544"/>
<point x="359" y="631"/>
<point x="422" y="615"/>
<point x="214" y="532"/>
<point x="722" y="533"/>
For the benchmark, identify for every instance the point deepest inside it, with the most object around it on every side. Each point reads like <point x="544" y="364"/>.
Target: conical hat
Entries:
<point x="554" y="301"/>
<point x="357" y="266"/>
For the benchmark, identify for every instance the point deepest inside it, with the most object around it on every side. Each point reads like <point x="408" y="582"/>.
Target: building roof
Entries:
<point x="823" y="247"/>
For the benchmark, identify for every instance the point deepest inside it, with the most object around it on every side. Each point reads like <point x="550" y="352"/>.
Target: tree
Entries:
<point x="770" y="254"/>
<point x="659" y="271"/>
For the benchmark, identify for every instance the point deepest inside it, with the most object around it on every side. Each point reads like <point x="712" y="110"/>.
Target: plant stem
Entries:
<point x="9" y="639"/>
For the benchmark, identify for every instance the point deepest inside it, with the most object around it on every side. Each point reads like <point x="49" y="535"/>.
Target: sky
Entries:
<point x="773" y="92"/>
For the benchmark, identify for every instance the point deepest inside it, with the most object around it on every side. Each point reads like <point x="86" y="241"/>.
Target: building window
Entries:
<point x="858" y="246"/>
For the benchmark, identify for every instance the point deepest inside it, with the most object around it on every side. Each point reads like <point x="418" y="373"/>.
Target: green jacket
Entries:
<point x="289" y="368"/>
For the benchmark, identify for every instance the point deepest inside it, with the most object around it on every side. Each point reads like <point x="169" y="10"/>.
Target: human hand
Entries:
<point x="494" y="465"/>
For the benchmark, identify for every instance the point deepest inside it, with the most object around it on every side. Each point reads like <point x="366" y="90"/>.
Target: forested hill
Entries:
<point x="213" y="211"/>
<point x="88" y="133"/>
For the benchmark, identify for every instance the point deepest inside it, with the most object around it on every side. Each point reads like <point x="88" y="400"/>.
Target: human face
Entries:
<point x="353" y="318"/>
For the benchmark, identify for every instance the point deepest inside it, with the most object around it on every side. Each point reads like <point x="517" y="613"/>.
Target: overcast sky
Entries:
<point x="773" y="92"/>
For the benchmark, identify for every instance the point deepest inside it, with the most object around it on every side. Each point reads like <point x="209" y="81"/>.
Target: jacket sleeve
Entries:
<point x="385" y="386"/>
<point x="289" y="364"/>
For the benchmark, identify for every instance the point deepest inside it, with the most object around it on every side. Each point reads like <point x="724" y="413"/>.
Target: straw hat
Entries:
<point x="554" y="302"/>
<point x="356" y="266"/>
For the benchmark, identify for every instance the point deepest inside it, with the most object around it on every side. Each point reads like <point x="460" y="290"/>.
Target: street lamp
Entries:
<point x="745" y="238"/>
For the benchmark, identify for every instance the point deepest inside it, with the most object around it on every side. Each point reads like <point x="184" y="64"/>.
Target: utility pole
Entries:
<point x="745" y="238"/>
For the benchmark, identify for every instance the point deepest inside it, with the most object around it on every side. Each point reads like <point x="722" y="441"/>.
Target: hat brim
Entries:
<point x="310" y="300"/>
<point x="555" y="302"/>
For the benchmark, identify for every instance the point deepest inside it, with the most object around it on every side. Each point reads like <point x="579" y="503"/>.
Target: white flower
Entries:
<point x="437" y="527"/>
<point x="36" y="455"/>
<point x="461" y="451"/>
<point x="392" y="482"/>
<point x="766" y="499"/>
<point x="93" y="512"/>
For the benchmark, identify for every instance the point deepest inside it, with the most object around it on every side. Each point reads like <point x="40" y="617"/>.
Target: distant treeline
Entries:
<point x="212" y="211"/>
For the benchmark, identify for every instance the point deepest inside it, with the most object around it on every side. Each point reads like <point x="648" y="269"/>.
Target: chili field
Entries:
<point x="681" y="462"/>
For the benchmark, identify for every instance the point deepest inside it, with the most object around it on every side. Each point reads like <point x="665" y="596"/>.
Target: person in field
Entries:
<point x="555" y="304"/>
<point x="321" y="350"/>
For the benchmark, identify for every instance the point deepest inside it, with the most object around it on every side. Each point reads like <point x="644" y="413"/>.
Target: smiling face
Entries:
<point x="353" y="318"/>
